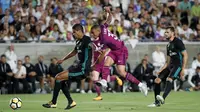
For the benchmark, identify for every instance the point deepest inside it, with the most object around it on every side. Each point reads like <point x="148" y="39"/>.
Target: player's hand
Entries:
<point x="107" y="9"/>
<point x="93" y="67"/>
<point x="182" y="75"/>
<point x="60" y="61"/>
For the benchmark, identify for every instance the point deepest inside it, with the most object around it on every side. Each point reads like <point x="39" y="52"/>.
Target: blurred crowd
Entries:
<point x="52" y="20"/>
<point x="23" y="76"/>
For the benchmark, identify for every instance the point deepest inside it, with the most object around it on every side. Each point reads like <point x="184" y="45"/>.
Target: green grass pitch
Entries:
<point x="112" y="102"/>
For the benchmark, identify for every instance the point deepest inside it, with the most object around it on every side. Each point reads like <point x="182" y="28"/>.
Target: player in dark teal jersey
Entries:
<point x="83" y="50"/>
<point x="174" y="67"/>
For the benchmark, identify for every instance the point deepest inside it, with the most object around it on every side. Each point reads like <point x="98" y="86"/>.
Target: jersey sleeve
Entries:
<point x="105" y="25"/>
<point x="180" y="46"/>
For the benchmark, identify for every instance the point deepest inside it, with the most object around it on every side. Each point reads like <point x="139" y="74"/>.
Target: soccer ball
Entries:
<point x="15" y="103"/>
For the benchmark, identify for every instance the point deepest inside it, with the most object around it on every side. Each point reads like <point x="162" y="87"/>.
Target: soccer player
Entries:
<point x="84" y="51"/>
<point x="98" y="68"/>
<point x="119" y="52"/>
<point x="174" y="67"/>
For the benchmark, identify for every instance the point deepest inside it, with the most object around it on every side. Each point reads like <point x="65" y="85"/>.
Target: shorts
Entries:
<point x="119" y="56"/>
<point x="173" y="72"/>
<point x="76" y="73"/>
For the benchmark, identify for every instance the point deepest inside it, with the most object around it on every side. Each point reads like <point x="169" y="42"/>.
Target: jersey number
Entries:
<point x="112" y="35"/>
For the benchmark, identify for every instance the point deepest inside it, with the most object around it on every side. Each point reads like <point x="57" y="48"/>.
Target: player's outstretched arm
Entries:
<point x="71" y="54"/>
<point x="109" y="17"/>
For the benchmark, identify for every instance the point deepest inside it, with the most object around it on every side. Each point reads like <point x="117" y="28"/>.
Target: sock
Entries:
<point x="181" y="85"/>
<point x="97" y="88"/>
<point x="56" y="90"/>
<point x="132" y="79"/>
<point x="109" y="89"/>
<point x="112" y="78"/>
<point x="105" y="72"/>
<point x="65" y="90"/>
<point x="168" y="88"/>
<point x="156" y="91"/>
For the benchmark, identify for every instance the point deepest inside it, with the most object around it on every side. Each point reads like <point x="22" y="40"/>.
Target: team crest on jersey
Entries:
<point x="78" y="45"/>
<point x="172" y="53"/>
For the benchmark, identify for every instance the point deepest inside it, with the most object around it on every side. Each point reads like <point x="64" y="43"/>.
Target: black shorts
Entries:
<point x="173" y="72"/>
<point x="77" y="73"/>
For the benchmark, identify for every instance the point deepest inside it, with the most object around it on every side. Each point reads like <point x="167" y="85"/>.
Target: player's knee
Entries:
<point x="169" y="79"/>
<point x="107" y="64"/>
<point x="94" y="77"/>
<point x="157" y="80"/>
<point x="122" y="73"/>
<point x="109" y="61"/>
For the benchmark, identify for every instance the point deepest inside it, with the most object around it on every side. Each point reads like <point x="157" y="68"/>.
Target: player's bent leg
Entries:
<point x="131" y="78"/>
<point x="95" y="79"/>
<point x="53" y="102"/>
<point x="168" y="88"/>
<point x="105" y="72"/>
<point x="106" y="68"/>
<point x="157" y="91"/>
<point x="62" y="76"/>
<point x="65" y="89"/>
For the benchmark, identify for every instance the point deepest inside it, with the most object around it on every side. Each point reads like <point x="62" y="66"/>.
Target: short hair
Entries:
<point x="54" y="58"/>
<point x="78" y="27"/>
<point x="143" y="60"/>
<point x="19" y="60"/>
<point x="3" y="55"/>
<point x="95" y="27"/>
<point x="172" y="29"/>
<point x="27" y="56"/>
<point x="41" y="56"/>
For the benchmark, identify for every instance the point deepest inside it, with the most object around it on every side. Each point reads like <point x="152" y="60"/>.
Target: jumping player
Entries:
<point x="174" y="67"/>
<point x="119" y="52"/>
<point x="84" y="51"/>
<point x="98" y="68"/>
